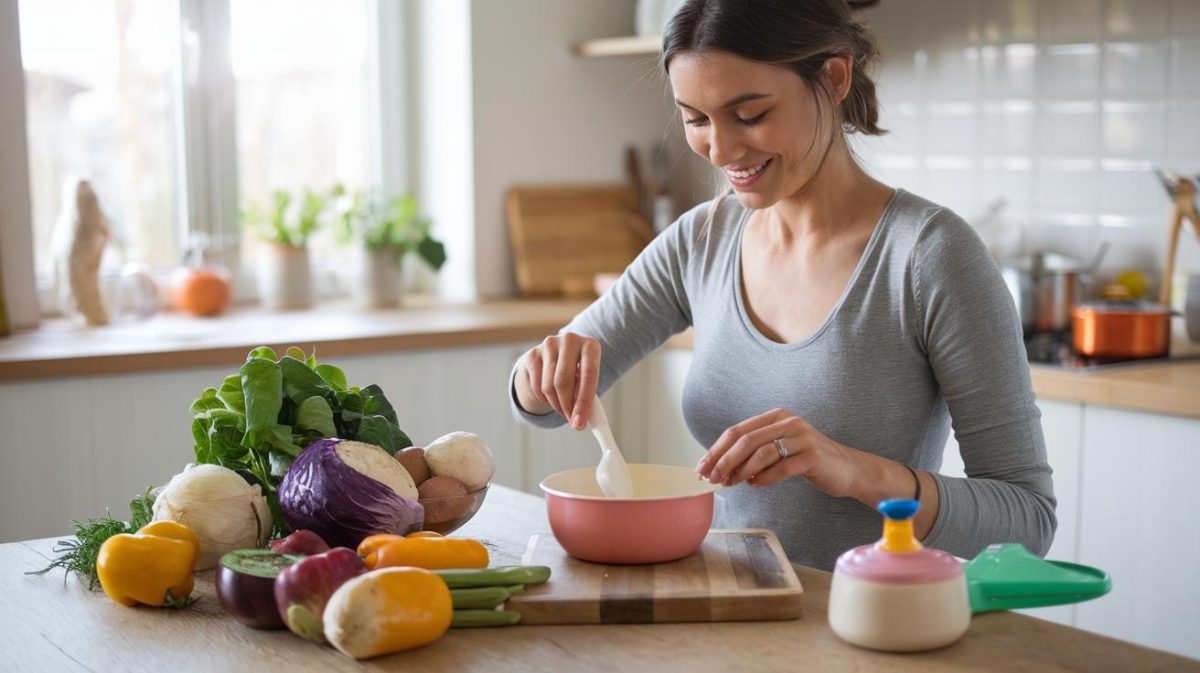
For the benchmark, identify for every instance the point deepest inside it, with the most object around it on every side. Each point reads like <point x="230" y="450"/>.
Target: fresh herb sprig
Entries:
<point x="79" y="555"/>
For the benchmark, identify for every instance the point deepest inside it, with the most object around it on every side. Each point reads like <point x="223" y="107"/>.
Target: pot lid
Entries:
<point x="898" y="558"/>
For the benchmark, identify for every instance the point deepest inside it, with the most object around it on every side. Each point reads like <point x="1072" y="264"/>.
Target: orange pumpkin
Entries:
<point x="201" y="292"/>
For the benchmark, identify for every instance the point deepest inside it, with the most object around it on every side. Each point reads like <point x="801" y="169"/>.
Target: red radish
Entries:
<point x="303" y="589"/>
<point x="300" y="542"/>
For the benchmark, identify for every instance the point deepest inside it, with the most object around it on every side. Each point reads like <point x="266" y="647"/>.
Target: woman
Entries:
<point x="841" y="326"/>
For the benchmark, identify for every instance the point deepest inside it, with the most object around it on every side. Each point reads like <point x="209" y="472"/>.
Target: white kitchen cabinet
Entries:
<point x="73" y="448"/>
<point x="1138" y="523"/>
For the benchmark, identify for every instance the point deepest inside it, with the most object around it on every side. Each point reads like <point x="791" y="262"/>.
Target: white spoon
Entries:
<point x="612" y="473"/>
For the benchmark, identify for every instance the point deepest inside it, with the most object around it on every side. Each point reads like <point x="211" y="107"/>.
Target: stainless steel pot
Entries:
<point x="1044" y="287"/>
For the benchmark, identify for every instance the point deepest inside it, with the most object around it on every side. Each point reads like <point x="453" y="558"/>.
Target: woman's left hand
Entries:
<point x="754" y="449"/>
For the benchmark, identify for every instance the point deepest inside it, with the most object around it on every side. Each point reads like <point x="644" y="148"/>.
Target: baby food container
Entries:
<point x="896" y="595"/>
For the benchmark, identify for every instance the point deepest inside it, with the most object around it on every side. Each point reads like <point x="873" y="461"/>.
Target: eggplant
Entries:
<point x="245" y="580"/>
<point x="303" y="589"/>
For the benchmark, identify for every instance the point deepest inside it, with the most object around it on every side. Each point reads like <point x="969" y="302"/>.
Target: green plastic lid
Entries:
<point x="1008" y="577"/>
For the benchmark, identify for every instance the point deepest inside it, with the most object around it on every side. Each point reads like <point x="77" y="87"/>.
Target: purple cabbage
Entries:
<point x="321" y="493"/>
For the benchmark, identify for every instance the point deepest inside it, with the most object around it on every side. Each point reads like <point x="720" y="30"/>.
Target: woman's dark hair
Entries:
<point x="798" y="34"/>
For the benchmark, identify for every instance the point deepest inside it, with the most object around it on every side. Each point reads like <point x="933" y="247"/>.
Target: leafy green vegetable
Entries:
<point x="262" y="417"/>
<point x="79" y="554"/>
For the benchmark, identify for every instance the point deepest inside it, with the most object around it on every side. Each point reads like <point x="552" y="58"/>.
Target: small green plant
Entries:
<point x="389" y="224"/>
<point x="287" y="221"/>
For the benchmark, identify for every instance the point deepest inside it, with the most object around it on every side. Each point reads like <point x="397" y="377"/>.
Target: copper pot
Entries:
<point x="1121" y="329"/>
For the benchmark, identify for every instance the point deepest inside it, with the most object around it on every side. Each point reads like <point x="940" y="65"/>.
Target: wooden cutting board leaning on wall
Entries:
<point x="562" y="236"/>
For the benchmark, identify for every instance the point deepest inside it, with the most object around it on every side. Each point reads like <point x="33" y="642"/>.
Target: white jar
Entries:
<point x="896" y="595"/>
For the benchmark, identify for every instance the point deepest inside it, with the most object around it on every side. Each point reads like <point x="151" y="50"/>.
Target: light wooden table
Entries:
<point x="49" y="625"/>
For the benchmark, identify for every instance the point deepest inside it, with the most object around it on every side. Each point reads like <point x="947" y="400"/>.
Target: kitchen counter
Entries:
<point x="49" y="624"/>
<point x="172" y="341"/>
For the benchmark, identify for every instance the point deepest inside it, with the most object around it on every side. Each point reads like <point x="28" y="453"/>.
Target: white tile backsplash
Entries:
<point x="1185" y="66"/>
<point x="1137" y="69"/>
<point x="1066" y="20"/>
<point x="1060" y="107"/>
<point x="1134" y="129"/>
<point x="1069" y="129"/>
<point x="1069" y="71"/>
<point x="1125" y="19"/>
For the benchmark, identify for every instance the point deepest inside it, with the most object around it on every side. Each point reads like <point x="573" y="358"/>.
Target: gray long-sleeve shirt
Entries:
<point x="924" y="337"/>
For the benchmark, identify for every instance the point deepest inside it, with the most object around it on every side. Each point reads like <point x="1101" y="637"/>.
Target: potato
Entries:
<point x="454" y="501"/>
<point x="413" y="460"/>
<point x="461" y="455"/>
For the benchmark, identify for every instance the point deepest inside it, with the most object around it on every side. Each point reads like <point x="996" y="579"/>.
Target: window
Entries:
<point x="180" y="112"/>
<point x="100" y="80"/>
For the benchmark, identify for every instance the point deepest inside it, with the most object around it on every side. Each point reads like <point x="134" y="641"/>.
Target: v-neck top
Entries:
<point x="739" y="287"/>
<point x="924" y="338"/>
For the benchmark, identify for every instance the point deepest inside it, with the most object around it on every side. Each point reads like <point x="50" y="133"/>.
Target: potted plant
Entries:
<point x="283" y="267"/>
<point x="387" y="230"/>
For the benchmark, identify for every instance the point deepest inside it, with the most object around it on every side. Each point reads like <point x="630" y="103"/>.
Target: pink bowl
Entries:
<point x="667" y="518"/>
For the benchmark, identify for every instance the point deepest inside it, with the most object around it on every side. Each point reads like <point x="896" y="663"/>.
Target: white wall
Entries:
<point x="16" y="237"/>
<point x="502" y="101"/>
<point x="1059" y="106"/>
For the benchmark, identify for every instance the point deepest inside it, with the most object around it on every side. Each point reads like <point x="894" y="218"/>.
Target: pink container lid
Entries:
<point x="916" y="567"/>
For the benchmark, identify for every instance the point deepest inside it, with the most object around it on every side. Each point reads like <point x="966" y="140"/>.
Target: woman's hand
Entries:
<point x="560" y="374"/>
<point x="749" y="451"/>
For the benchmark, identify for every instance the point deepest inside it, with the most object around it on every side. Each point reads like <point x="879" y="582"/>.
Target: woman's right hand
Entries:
<point x="560" y="374"/>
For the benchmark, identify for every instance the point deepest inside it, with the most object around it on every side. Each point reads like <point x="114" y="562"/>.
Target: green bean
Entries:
<point x="491" y="577"/>
<point x="466" y="619"/>
<point x="482" y="597"/>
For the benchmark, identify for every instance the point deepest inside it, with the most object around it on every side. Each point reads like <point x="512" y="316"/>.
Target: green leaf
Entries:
<point x="433" y="252"/>
<point x="316" y="415"/>
<point x="312" y="359"/>
<point x="261" y="353"/>
<point x="279" y="438"/>
<point x="200" y="426"/>
<point x="294" y="352"/>
<point x="141" y="509"/>
<point x="207" y="400"/>
<point x="279" y="464"/>
<point x="300" y="382"/>
<point x="225" y="443"/>
<point x="333" y="376"/>
<point x="381" y="405"/>
<point x="231" y="395"/>
<point x="379" y="431"/>
<point x="353" y="401"/>
<point x="262" y="383"/>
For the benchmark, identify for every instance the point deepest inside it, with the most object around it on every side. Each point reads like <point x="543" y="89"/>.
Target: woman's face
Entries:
<point x="754" y="121"/>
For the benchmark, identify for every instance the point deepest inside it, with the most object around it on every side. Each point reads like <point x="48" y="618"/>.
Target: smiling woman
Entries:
<point x="841" y="325"/>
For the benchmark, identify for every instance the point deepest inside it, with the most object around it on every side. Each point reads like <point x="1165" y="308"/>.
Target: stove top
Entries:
<point x="1054" y="349"/>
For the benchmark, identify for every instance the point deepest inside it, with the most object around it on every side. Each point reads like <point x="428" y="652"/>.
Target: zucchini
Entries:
<point x="492" y="577"/>
<point x="469" y="619"/>
<point x="482" y="597"/>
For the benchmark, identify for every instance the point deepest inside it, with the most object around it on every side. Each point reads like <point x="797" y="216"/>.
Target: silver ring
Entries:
<point x="783" y="453"/>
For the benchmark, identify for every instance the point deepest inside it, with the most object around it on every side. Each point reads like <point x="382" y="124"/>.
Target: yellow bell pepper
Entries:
<point x="150" y="567"/>
<point x="433" y="553"/>
<point x="388" y="610"/>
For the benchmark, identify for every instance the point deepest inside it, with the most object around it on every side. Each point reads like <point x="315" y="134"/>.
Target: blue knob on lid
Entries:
<point x="899" y="509"/>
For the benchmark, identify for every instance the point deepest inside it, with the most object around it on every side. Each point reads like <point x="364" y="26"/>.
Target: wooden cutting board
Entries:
<point x="562" y="236"/>
<point x="736" y="575"/>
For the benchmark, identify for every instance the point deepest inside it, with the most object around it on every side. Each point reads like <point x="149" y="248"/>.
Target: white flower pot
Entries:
<point x="284" y="277"/>
<point x="377" y="283"/>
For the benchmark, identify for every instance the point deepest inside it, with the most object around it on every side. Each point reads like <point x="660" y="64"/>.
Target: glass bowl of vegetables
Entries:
<point x="446" y="514"/>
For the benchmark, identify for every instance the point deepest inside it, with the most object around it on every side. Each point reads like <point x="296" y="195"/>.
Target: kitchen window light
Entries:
<point x="181" y="113"/>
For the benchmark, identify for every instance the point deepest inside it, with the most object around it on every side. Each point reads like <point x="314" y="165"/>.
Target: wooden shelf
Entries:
<point x="647" y="45"/>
